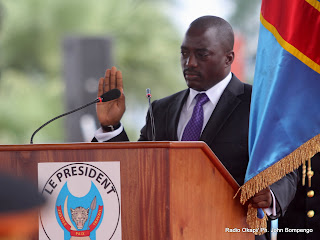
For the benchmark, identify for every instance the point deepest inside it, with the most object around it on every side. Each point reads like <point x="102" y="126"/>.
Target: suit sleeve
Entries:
<point x="284" y="191"/>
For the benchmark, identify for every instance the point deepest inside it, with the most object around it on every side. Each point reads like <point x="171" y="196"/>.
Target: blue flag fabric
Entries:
<point x="284" y="127"/>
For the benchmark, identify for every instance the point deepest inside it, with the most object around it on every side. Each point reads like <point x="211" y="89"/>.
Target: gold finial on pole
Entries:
<point x="304" y="171"/>
<point x="309" y="173"/>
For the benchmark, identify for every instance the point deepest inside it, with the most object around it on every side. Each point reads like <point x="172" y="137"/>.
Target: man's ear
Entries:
<point x="229" y="58"/>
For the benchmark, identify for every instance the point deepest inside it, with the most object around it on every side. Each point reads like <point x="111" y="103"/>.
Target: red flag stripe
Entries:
<point x="297" y="22"/>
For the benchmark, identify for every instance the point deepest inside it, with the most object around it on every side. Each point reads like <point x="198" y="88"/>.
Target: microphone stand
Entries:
<point x="107" y="96"/>
<point x="153" y="129"/>
<point x="62" y="115"/>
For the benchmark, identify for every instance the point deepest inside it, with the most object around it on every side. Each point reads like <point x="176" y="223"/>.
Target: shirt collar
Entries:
<point x="212" y="93"/>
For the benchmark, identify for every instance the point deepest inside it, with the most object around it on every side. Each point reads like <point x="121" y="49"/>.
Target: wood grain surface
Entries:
<point x="169" y="190"/>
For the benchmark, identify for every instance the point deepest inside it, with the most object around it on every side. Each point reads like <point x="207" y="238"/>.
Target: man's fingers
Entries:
<point x="263" y="204"/>
<point x="106" y="83"/>
<point x="119" y="83"/>
<point x="100" y="87"/>
<point x="258" y="199"/>
<point x="113" y="78"/>
<point x="262" y="199"/>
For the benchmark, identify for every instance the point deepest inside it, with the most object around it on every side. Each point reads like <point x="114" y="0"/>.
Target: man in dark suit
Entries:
<point x="215" y="99"/>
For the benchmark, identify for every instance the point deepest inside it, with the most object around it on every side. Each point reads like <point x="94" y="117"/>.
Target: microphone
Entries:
<point x="107" y="96"/>
<point x="153" y="129"/>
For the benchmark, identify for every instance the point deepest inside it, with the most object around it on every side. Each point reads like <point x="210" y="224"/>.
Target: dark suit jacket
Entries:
<point x="226" y="132"/>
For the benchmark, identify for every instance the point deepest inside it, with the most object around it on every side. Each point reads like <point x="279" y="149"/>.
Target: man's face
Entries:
<point x="203" y="59"/>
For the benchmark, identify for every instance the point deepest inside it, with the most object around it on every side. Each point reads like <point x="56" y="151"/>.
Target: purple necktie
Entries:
<point x="193" y="129"/>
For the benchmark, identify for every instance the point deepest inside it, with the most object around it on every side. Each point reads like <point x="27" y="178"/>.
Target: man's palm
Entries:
<point x="110" y="113"/>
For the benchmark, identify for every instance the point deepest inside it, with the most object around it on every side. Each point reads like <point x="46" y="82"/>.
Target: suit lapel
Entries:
<point x="226" y="105"/>
<point x="173" y="114"/>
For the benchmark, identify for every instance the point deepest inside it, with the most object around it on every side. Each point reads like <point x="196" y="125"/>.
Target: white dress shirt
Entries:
<point x="105" y="136"/>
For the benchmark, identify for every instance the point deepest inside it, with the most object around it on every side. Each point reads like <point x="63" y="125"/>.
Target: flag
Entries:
<point x="284" y="123"/>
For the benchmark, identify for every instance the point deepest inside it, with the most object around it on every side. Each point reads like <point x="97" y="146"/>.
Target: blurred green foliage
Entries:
<point x="146" y="49"/>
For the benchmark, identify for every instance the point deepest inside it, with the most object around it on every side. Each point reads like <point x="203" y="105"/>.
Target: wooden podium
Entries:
<point x="169" y="190"/>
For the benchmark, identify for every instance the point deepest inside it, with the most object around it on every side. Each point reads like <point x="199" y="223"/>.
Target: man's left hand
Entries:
<point x="262" y="199"/>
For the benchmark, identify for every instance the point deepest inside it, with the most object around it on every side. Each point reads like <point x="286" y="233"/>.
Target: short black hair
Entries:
<point x="224" y="28"/>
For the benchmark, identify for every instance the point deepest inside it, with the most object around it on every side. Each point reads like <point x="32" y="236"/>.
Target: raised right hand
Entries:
<point x="110" y="113"/>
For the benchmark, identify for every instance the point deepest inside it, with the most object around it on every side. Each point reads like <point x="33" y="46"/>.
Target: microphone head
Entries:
<point x="110" y="95"/>
<point x="148" y="91"/>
